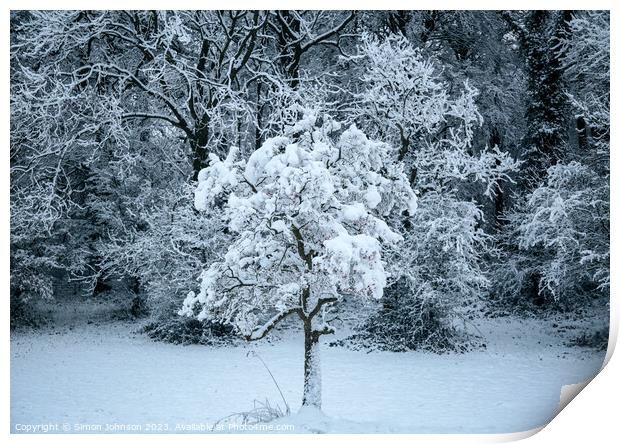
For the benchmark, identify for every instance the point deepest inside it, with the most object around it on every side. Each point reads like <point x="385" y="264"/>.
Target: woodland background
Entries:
<point x="501" y="119"/>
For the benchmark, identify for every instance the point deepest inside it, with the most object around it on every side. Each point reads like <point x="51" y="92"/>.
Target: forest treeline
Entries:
<point x="499" y="119"/>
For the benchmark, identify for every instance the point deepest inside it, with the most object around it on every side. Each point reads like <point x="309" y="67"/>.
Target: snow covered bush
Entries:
<point x="409" y="321"/>
<point x="308" y="214"/>
<point x="439" y="270"/>
<point x="562" y="230"/>
<point x="164" y="250"/>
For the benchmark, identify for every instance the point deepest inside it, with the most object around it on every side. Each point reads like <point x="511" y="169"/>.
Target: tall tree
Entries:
<point x="546" y="138"/>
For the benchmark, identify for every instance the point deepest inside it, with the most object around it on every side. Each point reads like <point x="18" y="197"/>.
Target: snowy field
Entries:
<point x="104" y="373"/>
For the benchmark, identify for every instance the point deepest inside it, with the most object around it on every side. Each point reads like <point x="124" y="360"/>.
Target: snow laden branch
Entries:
<point x="308" y="211"/>
<point x="261" y="332"/>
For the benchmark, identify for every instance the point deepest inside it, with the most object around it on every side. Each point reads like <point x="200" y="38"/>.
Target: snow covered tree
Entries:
<point x="405" y="99"/>
<point x="59" y="129"/>
<point x="308" y="211"/>
<point x="479" y="46"/>
<point x="96" y="96"/>
<point x="300" y="32"/>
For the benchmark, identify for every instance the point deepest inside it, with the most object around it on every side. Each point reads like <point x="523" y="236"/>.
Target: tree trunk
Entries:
<point x="290" y="47"/>
<point x="312" y="368"/>
<point x="495" y="141"/>
<point x="199" y="146"/>
<point x="582" y="133"/>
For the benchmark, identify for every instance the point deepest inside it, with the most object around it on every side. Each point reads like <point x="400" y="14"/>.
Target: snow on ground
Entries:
<point x="103" y="373"/>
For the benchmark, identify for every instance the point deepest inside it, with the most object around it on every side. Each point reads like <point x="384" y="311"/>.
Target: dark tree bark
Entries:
<point x="397" y="21"/>
<point x="547" y="126"/>
<point x="499" y="205"/>
<point x="582" y="133"/>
